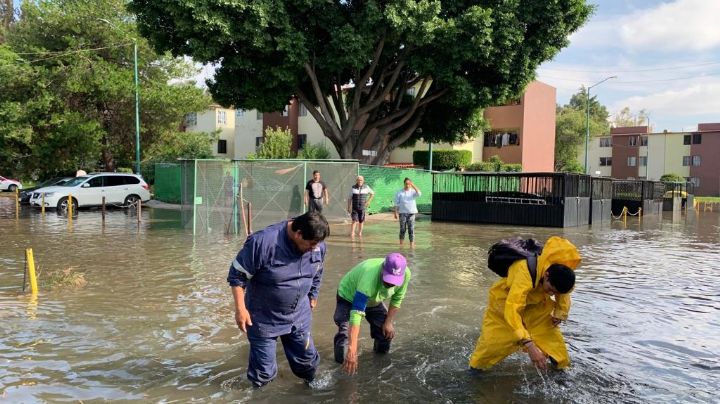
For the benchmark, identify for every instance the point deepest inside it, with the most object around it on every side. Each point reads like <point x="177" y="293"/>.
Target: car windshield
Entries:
<point x="75" y="181"/>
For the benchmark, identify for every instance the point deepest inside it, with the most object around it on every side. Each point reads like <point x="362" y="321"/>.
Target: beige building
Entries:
<point x="523" y="132"/>
<point x="216" y="119"/>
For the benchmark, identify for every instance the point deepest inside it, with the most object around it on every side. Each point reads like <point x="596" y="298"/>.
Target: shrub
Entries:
<point x="314" y="152"/>
<point x="443" y="159"/>
<point x="672" y="178"/>
<point x="125" y="170"/>
<point x="511" y="168"/>
<point x="484" y="166"/>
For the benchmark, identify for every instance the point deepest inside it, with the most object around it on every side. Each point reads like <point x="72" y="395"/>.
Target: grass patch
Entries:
<point x="67" y="278"/>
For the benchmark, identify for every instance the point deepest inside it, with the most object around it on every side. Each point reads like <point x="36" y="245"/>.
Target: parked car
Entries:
<point x="27" y="192"/>
<point x="7" y="184"/>
<point x="88" y="190"/>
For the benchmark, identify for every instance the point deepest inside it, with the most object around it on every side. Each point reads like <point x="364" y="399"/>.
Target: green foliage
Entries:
<point x="277" y="144"/>
<point x="571" y="128"/>
<point x="494" y="164"/>
<point x="127" y="170"/>
<point x="457" y="56"/>
<point x="572" y="167"/>
<point x="314" y="152"/>
<point x="68" y="93"/>
<point x="672" y="178"/>
<point x="443" y="159"/>
<point x="627" y="118"/>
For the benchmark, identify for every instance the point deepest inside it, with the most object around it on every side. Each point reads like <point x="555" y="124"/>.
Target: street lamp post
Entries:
<point x="587" y="120"/>
<point x="137" y="109"/>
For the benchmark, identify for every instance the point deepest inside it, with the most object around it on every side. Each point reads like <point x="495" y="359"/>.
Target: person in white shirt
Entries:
<point x="406" y="208"/>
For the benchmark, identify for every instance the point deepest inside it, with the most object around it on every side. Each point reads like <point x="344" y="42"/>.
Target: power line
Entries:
<point x="621" y="82"/>
<point x="635" y="70"/>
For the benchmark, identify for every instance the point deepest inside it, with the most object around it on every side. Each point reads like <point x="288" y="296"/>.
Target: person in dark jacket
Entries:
<point x="275" y="280"/>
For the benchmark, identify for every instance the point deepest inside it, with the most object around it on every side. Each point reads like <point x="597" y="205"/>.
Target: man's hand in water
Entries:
<point x="537" y="356"/>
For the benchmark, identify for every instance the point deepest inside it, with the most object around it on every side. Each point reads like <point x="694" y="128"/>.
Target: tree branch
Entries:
<point x="360" y="84"/>
<point x="322" y="101"/>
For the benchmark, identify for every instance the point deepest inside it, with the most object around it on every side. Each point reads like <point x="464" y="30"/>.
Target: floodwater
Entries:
<point x="155" y="323"/>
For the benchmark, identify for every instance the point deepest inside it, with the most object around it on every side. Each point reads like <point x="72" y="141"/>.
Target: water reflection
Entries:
<point x="155" y="321"/>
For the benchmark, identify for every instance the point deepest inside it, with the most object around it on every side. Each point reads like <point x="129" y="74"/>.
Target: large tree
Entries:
<point x="68" y="94"/>
<point x="571" y="127"/>
<point x="357" y="60"/>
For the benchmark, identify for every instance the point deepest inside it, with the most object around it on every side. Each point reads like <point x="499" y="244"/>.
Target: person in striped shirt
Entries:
<point x="360" y="197"/>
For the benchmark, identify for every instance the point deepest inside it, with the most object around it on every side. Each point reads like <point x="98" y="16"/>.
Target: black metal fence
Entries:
<point x="601" y="200"/>
<point x="678" y="195"/>
<point x="529" y="199"/>
<point x="637" y="194"/>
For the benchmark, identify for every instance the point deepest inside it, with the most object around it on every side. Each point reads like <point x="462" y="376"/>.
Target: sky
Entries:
<point x="665" y="54"/>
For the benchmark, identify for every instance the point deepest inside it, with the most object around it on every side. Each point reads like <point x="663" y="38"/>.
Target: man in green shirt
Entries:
<point x="361" y="294"/>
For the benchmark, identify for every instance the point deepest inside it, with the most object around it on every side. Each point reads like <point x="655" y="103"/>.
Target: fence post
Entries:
<point x="139" y="210"/>
<point x="17" y="203"/>
<point x="31" y="270"/>
<point x="249" y="217"/>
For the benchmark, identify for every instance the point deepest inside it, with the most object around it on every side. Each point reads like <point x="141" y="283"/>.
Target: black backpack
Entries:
<point x="503" y="253"/>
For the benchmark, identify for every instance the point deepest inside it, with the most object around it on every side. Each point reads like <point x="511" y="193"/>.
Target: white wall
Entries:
<point x="247" y="128"/>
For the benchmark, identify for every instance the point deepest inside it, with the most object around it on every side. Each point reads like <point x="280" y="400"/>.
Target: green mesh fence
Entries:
<point x="459" y="183"/>
<point x="387" y="181"/>
<point x="167" y="182"/>
<point x="235" y="197"/>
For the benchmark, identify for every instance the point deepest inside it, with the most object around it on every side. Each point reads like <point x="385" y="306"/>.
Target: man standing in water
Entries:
<point x="275" y="280"/>
<point x="360" y="197"/>
<point x="361" y="294"/>
<point x="315" y="192"/>
<point x="406" y="207"/>
<point x="523" y="315"/>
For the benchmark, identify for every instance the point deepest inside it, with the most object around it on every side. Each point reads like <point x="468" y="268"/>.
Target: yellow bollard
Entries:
<point x="17" y="203"/>
<point x="31" y="270"/>
<point x="42" y="206"/>
<point x="69" y="206"/>
<point x="624" y="213"/>
<point x="639" y="214"/>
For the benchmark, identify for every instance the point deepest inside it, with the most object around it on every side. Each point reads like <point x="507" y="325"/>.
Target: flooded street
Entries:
<point x="155" y="323"/>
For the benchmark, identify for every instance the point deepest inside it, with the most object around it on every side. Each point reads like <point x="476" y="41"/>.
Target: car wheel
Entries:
<point x="131" y="200"/>
<point x="12" y="187"/>
<point x="62" y="205"/>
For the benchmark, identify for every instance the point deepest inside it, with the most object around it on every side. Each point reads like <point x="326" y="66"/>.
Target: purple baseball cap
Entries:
<point x="394" y="269"/>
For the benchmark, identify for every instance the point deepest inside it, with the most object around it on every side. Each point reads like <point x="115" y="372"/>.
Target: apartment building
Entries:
<point x="215" y="119"/>
<point x="635" y="152"/>
<point x="523" y="132"/>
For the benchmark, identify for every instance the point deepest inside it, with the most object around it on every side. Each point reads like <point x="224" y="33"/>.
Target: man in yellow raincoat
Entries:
<point x="522" y="315"/>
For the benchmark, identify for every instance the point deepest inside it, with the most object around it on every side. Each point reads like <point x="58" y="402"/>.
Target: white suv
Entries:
<point x="88" y="190"/>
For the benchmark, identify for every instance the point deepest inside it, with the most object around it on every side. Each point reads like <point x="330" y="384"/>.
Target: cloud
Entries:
<point x="691" y="104"/>
<point x="679" y="25"/>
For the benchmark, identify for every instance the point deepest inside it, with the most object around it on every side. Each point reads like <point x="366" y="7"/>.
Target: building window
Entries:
<point x="222" y="146"/>
<point x="411" y="91"/>
<point x="301" y="141"/>
<point x="632" y="161"/>
<point x="239" y="113"/>
<point x="697" y="138"/>
<point x="605" y="161"/>
<point x="285" y="111"/>
<point x="258" y="141"/>
<point x="687" y="160"/>
<point x="693" y="180"/>
<point x="686" y="139"/>
<point x="221" y="117"/>
<point x="191" y="119"/>
<point x="259" y="116"/>
<point x="643" y="140"/>
<point x="632" y="141"/>
<point x="643" y="161"/>
<point x="696" y="160"/>
<point x="303" y="110"/>
<point x="605" y="142"/>
<point x="502" y="138"/>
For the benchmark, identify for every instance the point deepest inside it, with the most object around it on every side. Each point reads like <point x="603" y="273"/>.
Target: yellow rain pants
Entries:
<point x="518" y="310"/>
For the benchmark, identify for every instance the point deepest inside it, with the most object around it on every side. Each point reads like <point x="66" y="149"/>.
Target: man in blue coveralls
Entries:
<point x="275" y="280"/>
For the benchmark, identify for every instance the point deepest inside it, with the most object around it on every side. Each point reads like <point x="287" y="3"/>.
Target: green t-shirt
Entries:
<point x="363" y="286"/>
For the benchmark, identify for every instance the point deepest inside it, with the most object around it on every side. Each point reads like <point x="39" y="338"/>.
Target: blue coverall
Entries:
<point x="279" y="282"/>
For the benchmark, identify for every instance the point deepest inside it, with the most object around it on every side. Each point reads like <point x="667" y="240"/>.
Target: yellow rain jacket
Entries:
<point x="518" y="310"/>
